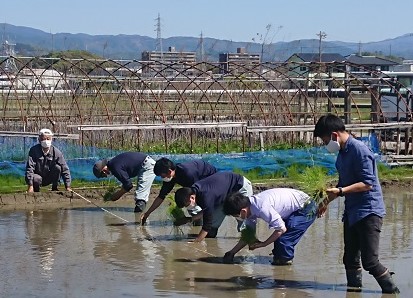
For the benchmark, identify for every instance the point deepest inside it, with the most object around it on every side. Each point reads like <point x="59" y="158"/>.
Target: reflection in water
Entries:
<point x="44" y="229"/>
<point x="81" y="252"/>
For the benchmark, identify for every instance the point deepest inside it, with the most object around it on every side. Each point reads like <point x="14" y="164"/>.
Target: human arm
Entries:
<point x="201" y="236"/>
<point x="156" y="203"/>
<point x="65" y="172"/>
<point x="274" y="236"/>
<point x="30" y="166"/>
<point x="229" y="255"/>
<point x="118" y="194"/>
<point x="334" y="192"/>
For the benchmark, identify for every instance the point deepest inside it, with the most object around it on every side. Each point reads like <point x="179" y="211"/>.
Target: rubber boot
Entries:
<point x="354" y="280"/>
<point x="387" y="284"/>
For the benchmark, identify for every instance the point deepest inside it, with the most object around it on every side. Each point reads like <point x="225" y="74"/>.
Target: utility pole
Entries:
<point x="321" y="35"/>
<point x="359" y="48"/>
<point x="201" y="48"/>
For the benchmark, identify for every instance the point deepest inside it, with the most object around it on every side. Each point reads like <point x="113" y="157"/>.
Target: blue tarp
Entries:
<point x="81" y="159"/>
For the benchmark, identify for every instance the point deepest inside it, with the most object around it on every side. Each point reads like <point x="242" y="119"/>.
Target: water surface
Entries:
<point x="85" y="252"/>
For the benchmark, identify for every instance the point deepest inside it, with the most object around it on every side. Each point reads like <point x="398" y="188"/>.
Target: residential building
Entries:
<point x="359" y="63"/>
<point x="240" y="63"/>
<point x="307" y="65"/>
<point x="170" y="63"/>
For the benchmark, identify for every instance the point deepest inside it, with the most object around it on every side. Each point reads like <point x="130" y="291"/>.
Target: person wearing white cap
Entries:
<point x="46" y="164"/>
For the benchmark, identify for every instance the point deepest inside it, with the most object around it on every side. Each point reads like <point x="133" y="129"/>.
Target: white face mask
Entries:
<point x="166" y="179"/>
<point x="333" y="146"/>
<point x="46" y="143"/>
<point x="193" y="209"/>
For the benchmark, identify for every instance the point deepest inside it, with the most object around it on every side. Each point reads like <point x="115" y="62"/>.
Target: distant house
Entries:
<point x="307" y="65"/>
<point x="369" y="63"/>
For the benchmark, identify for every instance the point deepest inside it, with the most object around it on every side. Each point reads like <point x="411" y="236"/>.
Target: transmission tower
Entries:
<point x="158" y="36"/>
<point x="8" y="49"/>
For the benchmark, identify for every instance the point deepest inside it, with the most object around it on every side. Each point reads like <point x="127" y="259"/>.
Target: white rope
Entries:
<point x="126" y="221"/>
<point x="89" y="201"/>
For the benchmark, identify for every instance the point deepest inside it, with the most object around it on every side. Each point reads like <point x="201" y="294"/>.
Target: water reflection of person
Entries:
<point x="44" y="229"/>
<point x="129" y="248"/>
<point x="183" y="272"/>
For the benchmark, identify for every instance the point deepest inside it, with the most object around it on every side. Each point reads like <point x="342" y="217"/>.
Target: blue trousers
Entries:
<point x="297" y="223"/>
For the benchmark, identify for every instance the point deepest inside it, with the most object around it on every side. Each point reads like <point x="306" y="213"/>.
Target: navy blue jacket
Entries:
<point x="126" y="166"/>
<point x="212" y="191"/>
<point x="186" y="174"/>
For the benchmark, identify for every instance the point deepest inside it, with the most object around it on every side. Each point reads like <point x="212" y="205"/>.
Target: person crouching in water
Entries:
<point x="205" y="198"/>
<point x="124" y="167"/>
<point x="289" y="212"/>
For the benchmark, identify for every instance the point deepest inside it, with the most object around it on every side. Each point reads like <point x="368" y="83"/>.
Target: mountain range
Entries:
<point x="34" y="42"/>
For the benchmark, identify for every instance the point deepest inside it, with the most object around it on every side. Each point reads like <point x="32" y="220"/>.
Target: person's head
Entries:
<point x="330" y="129"/>
<point x="100" y="168"/>
<point x="45" y="138"/>
<point x="185" y="197"/>
<point x="237" y="205"/>
<point x="164" y="168"/>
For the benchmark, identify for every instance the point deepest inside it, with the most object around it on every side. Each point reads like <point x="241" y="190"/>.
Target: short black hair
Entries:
<point x="327" y="124"/>
<point x="163" y="165"/>
<point x="182" y="196"/>
<point x="235" y="202"/>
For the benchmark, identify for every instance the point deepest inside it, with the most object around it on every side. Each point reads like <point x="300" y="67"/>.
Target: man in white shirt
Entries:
<point x="289" y="212"/>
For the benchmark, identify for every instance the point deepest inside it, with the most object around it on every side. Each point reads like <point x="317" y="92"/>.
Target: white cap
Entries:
<point x="46" y="132"/>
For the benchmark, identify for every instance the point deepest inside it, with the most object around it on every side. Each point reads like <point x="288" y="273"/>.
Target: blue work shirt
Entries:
<point x="212" y="191"/>
<point x="126" y="166"/>
<point x="356" y="163"/>
<point x="186" y="174"/>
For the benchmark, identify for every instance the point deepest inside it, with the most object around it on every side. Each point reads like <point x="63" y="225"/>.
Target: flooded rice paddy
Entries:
<point x="85" y="252"/>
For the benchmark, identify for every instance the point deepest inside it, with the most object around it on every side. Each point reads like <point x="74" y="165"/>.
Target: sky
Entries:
<point x="269" y="20"/>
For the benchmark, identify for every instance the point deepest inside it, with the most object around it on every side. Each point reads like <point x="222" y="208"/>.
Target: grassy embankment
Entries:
<point x="312" y="180"/>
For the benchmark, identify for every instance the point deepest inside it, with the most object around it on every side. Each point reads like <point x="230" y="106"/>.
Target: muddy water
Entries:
<point x="85" y="252"/>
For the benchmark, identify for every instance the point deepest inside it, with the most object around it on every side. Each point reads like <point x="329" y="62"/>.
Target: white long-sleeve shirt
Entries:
<point x="274" y="205"/>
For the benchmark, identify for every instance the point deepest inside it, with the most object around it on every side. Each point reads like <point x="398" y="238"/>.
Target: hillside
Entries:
<point x="34" y="42"/>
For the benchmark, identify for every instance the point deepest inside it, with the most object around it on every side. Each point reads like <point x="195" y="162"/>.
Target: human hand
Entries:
<point x="228" y="258"/>
<point x="30" y="188"/>
<point x="68" y="189"/>
<point x="256" y="245"/>
<point x="144" y="217"/>
<point x="322" y="208"/>
<point x="332" y="193"/>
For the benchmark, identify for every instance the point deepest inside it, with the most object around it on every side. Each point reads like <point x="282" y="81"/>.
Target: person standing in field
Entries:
<point x="124" y="167"/>
<point x="46" y="164"/>
<point x="364" y="206"/>
<point x="185" y="174"/>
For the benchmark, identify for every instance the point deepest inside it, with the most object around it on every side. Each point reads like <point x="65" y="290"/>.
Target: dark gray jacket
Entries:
<point x="40" y="164"/>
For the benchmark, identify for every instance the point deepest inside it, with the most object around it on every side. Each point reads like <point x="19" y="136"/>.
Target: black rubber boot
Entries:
<point x="387" y="284"/>
<point x="354" y="280"/>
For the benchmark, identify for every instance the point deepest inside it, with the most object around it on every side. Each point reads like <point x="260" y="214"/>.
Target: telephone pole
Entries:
<point x="321" y="35"/>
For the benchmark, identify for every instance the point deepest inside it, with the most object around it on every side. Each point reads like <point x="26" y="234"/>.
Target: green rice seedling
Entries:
<point x="173" y="211"/>
<point x="109" y="192"/>
<point x="314" y="182"/>
<point x="248" y="235"/>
